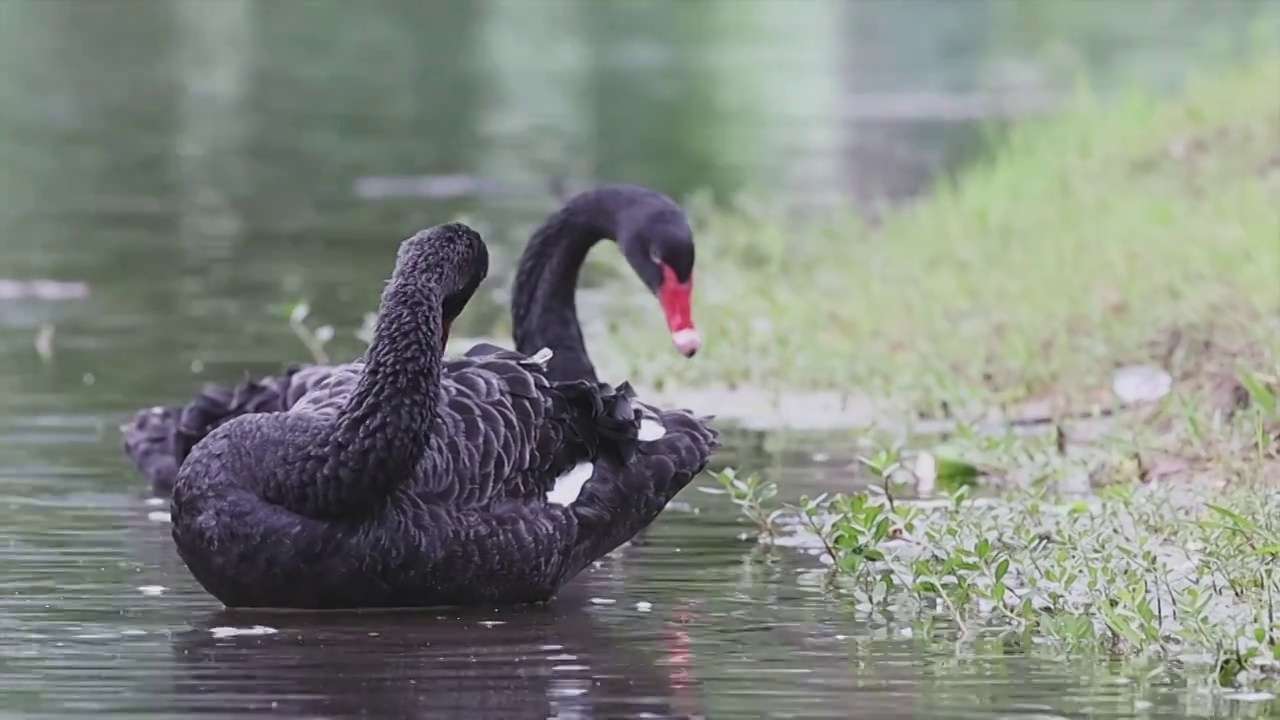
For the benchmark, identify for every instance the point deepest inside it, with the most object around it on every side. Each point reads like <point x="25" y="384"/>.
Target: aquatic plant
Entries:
<point x="1172" y="557"/>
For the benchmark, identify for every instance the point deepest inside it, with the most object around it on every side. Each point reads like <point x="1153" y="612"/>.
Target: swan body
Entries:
<point x="405" y="480"/>
<point x="656" y="239"/>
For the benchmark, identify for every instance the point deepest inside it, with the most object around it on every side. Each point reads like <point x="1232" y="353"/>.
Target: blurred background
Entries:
<point x="182" y="169"/>
<point x="196" y="163"/>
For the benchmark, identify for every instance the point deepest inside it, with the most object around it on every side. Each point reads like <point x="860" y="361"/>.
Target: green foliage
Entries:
<point x="1138" y="565"/>
<point x="750" y="495"/>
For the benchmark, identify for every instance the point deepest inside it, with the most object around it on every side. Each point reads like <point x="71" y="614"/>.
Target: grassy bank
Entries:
<point x="1143" y="230"/>
<point x="1089" y="547"/>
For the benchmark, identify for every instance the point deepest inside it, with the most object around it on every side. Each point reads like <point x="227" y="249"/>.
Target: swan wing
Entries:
<point x="528" y="548"/>
<point x="326" y="394"/>
<point x="619" y="500"/>
<point x="506" y="432"/>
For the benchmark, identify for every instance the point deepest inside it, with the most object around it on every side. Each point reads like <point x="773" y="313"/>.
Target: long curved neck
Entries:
<point x="543" y="311"/>
<point x="379" y="438"/>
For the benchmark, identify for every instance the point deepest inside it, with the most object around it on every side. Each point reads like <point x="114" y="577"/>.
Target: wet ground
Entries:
<point x="184" y="168"/>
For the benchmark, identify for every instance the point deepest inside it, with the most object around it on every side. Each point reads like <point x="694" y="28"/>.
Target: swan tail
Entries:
<point x="149" y="443"/>
<point x="689" y="443"/>
<point x="159" y="439"/>
<point x="605" y="419"/>
<point x="622" y="499"/>
<point x="216" y="404"/>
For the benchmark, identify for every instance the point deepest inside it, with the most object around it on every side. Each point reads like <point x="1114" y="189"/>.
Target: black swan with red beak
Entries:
<point x="405" y="480"/>
<point x="656" y="240"/>
<point x="655" y="237"/>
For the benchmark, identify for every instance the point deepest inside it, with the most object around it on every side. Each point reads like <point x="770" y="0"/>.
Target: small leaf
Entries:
<point x="954" y="474"/>
<point x="983" y="549"/>
<point x="299" y="312"/>
<point x="1145" y="612"/>
<point x="1001" y="568"/>
<point x="324" y="333"/>
<point x="1122" y="627"/>
<point x="1260" y="394"/>
<point x="927" y="587"/>
<point x="1240" y="521"/>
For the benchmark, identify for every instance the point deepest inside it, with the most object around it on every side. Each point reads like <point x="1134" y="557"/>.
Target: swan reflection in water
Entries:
<point x="546" y="661"/>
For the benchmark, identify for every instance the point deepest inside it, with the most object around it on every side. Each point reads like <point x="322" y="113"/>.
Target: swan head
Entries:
<point x="452" y="255"/>
<point x="659" y="248"/>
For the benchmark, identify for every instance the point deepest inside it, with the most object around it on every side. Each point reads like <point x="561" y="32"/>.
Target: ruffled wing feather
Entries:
<point x="158" y="439"/>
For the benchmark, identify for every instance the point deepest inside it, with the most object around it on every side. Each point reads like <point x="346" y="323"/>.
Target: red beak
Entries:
<point x="675" y="297"/>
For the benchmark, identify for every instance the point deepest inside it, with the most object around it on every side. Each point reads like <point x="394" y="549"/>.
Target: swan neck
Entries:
<point x="384" y="428"/>
<point x="543" y="310"/>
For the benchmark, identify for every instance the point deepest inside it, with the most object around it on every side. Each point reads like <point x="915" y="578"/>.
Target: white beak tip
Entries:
<point x="687" y="341"/>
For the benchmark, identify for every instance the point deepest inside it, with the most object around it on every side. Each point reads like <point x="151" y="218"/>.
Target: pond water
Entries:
<point x="190" y="165"/>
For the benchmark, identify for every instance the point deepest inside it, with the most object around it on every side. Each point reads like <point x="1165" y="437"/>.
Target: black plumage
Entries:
<point x="652" y="230"/>
<point x="404" y="480"/>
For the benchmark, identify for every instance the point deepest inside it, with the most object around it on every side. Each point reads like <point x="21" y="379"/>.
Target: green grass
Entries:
<point x="1149" y="567"/>
<point x="1145" y="229"/>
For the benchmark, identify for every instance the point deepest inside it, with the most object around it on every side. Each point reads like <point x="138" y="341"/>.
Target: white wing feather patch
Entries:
<point x="650" y="430"/>
<point x="540" y="358"/>
<point x="569" y="485"/>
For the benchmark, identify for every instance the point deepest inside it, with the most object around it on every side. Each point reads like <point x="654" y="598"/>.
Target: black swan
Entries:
<point x="652" y="231"/>
<point x="404" y="480"/>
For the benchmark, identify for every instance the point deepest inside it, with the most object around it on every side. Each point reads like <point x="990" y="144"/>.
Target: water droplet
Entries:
<point x="151" y="589"/>
<point x="643" y="606"/>
<point x="603" y="601"/>
<point x="160" y="516"/>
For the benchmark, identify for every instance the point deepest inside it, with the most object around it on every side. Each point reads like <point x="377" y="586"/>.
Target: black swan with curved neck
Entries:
<point x="403" y="480"/>
<point x="655" y="237"/>
<point x="656" y="240"/>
